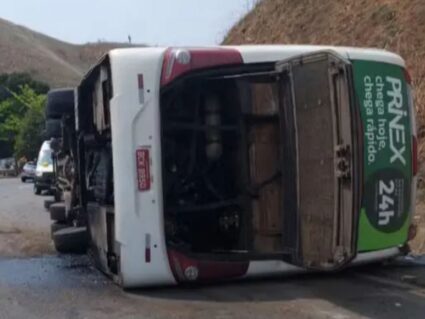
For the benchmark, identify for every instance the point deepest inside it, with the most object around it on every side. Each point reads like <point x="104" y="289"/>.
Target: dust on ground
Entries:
<point x="24" y="223"/>
<point x="15" y="242"/>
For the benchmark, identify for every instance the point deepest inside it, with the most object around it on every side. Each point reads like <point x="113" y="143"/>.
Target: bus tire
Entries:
<point x="71" y="240"/>
<point x="53" y="128"/>
<point x="37" y="190"/>
<point x="48" y="203"/>
<point x="55" y="226"/>
<point x="57" y="212"/>
<point x="59" y="102"/>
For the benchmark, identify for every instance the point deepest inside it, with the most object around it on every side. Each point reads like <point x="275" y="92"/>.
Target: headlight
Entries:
<point x="38" y="173"/>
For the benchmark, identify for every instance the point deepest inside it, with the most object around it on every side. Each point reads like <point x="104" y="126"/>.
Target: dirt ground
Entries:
<point x="24" y="226"/>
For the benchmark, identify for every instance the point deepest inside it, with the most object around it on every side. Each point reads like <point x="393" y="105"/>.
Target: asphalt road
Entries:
<point x="24" y="225"/>
<point x="37" y="283"/>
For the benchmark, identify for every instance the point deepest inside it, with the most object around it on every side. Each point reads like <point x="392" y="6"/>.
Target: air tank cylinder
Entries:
<point x="214" y="146"/>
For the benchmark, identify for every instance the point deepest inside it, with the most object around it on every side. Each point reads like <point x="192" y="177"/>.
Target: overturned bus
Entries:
<point x="201" y="164"/>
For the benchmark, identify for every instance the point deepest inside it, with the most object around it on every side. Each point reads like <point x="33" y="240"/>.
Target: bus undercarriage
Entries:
<point x="222" y="174"/>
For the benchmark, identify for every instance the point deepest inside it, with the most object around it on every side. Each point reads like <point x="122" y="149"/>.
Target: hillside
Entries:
<point x="46" y="59"/>
<point x="394" y="25"/>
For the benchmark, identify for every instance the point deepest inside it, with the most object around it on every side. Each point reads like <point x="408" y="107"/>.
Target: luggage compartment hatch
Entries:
<point x="319" y="206"/>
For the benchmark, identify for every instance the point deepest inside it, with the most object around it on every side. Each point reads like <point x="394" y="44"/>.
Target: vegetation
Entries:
<point x="22" y="102"/>
<point x="13" y="82"/>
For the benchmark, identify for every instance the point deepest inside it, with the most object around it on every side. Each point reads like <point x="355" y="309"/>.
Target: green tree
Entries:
<point x="30" y="129"/>
<point x="14" y="81"/>
<point x="22" y="121"/>
<point x="15" y="102"/>
<point x="11" y="114"/>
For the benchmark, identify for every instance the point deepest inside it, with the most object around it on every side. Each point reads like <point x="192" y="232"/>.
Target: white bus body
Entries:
<point x="139" y="242"/>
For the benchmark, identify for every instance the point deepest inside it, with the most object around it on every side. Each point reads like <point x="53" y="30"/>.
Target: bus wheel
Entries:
<point x="53" y="128"/>
<point x="37" y="190"/>
<point x="71" y="240"/>
<point x="57" y="195"/>
<point x="54" y="227"/>
<point x="48" y="203"/>
<point x="57" y="212"/>
<point x="59" y="102"/>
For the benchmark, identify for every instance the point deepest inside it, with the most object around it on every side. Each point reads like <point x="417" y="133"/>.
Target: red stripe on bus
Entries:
<point x="196" y="59"/>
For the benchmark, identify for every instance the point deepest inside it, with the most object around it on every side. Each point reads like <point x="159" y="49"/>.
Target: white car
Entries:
<point x="44" y="176"/>
<point x="28" y="172"/>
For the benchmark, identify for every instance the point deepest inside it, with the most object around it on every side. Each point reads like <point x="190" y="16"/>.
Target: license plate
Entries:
<point x="143" y="169"/>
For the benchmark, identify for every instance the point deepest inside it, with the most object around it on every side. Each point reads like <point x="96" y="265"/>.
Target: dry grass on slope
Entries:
<point x="47" y="59"/>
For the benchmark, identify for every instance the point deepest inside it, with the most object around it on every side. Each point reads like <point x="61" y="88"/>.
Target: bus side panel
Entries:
<point x="138" y="208"/>
<point x="387" y="137"/>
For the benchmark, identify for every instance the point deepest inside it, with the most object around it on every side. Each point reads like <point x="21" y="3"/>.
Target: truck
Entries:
<point x="178" y="165"/>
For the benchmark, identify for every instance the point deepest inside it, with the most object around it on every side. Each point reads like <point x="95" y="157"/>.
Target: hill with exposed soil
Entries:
<point x="47" y="59"/>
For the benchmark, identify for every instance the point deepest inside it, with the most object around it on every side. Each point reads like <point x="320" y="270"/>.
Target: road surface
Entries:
<point x="36" y="283"/>
<point x="24" y="225"/>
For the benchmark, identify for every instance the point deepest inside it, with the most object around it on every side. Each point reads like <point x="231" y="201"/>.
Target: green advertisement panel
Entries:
<point x="387" y="139"/>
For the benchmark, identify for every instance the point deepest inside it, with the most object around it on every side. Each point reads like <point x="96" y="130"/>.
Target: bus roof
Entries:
<point x="269" y="53"/>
